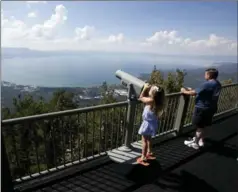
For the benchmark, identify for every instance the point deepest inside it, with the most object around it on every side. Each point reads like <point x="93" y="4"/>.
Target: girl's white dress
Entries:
<point x="150" y="122"/>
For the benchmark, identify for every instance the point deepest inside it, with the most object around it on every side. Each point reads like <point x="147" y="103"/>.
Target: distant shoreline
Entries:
<point x="7" y="83"/>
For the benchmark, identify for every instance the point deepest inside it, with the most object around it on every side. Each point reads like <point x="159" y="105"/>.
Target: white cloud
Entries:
<point x="47" y="36"/>
<point x="116" y="38"/>
<point x="32" y="14"/>
<point x="17" y="32"/>
<point x="84" y="33"/>
<point x="12" y="28"/>
<point x="164" y="37"/>
<point x="170" y="40"/>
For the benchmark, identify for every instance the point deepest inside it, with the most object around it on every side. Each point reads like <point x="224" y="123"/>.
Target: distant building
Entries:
<point x="120" y="92"/>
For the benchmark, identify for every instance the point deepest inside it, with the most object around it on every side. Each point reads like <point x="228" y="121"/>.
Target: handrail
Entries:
<point x="229" y="85"/>
<point x="69" y="112"/>
<point x="62" y="113"/>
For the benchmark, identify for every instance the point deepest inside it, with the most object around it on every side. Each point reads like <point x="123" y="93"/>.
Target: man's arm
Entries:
<point x="194" y="92"/>
<point x="191" y="92"/>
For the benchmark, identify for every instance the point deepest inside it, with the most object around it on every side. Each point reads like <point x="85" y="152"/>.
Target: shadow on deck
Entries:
<point x="178" y="168"/>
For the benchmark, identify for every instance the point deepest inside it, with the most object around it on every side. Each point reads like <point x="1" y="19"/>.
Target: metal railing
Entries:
<point x="42" y="142"/>
<point x="227" y="101"/>
<point x="37" y="145"/>
<point x="167" y="120"/>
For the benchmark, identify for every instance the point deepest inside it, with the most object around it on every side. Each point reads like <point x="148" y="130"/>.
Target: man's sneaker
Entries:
<point x="189" y="142"/>
<point x="195" y="146"/>
<point x="201" y="143"/>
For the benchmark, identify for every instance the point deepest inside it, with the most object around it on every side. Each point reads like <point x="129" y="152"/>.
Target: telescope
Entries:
<point x="127" y="80"/>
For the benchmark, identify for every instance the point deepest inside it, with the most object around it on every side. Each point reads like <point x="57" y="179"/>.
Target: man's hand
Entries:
<point x="182" y="90"/>
<point x="188" y="91"/>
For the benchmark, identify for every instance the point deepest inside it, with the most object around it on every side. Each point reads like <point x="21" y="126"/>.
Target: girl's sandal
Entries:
<point x="142" y="161"/>
<point x="150" y="156"/>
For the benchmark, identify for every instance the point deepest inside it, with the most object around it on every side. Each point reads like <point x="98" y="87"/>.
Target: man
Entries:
<point x="205" y="106"/>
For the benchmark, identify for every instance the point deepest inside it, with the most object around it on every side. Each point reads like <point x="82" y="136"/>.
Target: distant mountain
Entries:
<point x="10" y="52"/>
<point x="227" y="67"/>
<point x="194" y="77"/>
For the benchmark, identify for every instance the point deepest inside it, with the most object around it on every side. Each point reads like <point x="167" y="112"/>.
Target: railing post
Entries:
<point x="6" y="178"/>
<point x="130" y="118"/>
<point x="181" y="113"/>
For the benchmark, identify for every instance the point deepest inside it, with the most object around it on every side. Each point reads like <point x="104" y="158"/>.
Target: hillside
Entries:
<point x="85" y="96"/>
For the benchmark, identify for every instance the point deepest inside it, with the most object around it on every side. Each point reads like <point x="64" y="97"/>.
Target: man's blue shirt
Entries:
<point x="208" y="94"/>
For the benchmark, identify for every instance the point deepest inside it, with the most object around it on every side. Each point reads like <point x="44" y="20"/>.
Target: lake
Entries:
<point x="58" y="71"/>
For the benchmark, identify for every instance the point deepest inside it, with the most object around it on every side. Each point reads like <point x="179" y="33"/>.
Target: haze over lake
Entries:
<point x="90" y="69"/>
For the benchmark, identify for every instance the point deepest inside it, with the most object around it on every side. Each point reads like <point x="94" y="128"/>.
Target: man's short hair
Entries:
<point x="212" y="72"/>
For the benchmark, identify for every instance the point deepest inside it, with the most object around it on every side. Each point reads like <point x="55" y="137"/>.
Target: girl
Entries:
<point x="154" y="104"/>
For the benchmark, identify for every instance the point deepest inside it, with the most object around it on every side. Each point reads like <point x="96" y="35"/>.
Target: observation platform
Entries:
<point x="79" y="150"/>
<point x="178" y="168"/>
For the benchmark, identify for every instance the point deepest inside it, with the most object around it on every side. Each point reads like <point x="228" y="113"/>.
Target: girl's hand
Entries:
<point x="145" y="89"/>
<point x="147" y="86"/>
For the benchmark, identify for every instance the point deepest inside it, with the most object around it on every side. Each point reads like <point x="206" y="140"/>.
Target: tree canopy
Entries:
<point x="171" y="84"/>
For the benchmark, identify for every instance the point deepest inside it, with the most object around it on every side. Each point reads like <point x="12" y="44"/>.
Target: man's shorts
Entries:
<point x="202" y="117"/>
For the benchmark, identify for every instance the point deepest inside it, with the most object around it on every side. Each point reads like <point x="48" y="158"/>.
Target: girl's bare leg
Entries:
<point x="144" y="147"/>
<point x="150" y="154"/>
<point x="149" y="145"/>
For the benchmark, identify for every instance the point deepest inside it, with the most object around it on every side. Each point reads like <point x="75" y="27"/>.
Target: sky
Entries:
<point x="183" y="28"/>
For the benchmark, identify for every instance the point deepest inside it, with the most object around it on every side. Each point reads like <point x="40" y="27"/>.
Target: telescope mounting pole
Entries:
<point x="130" y="117"/>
